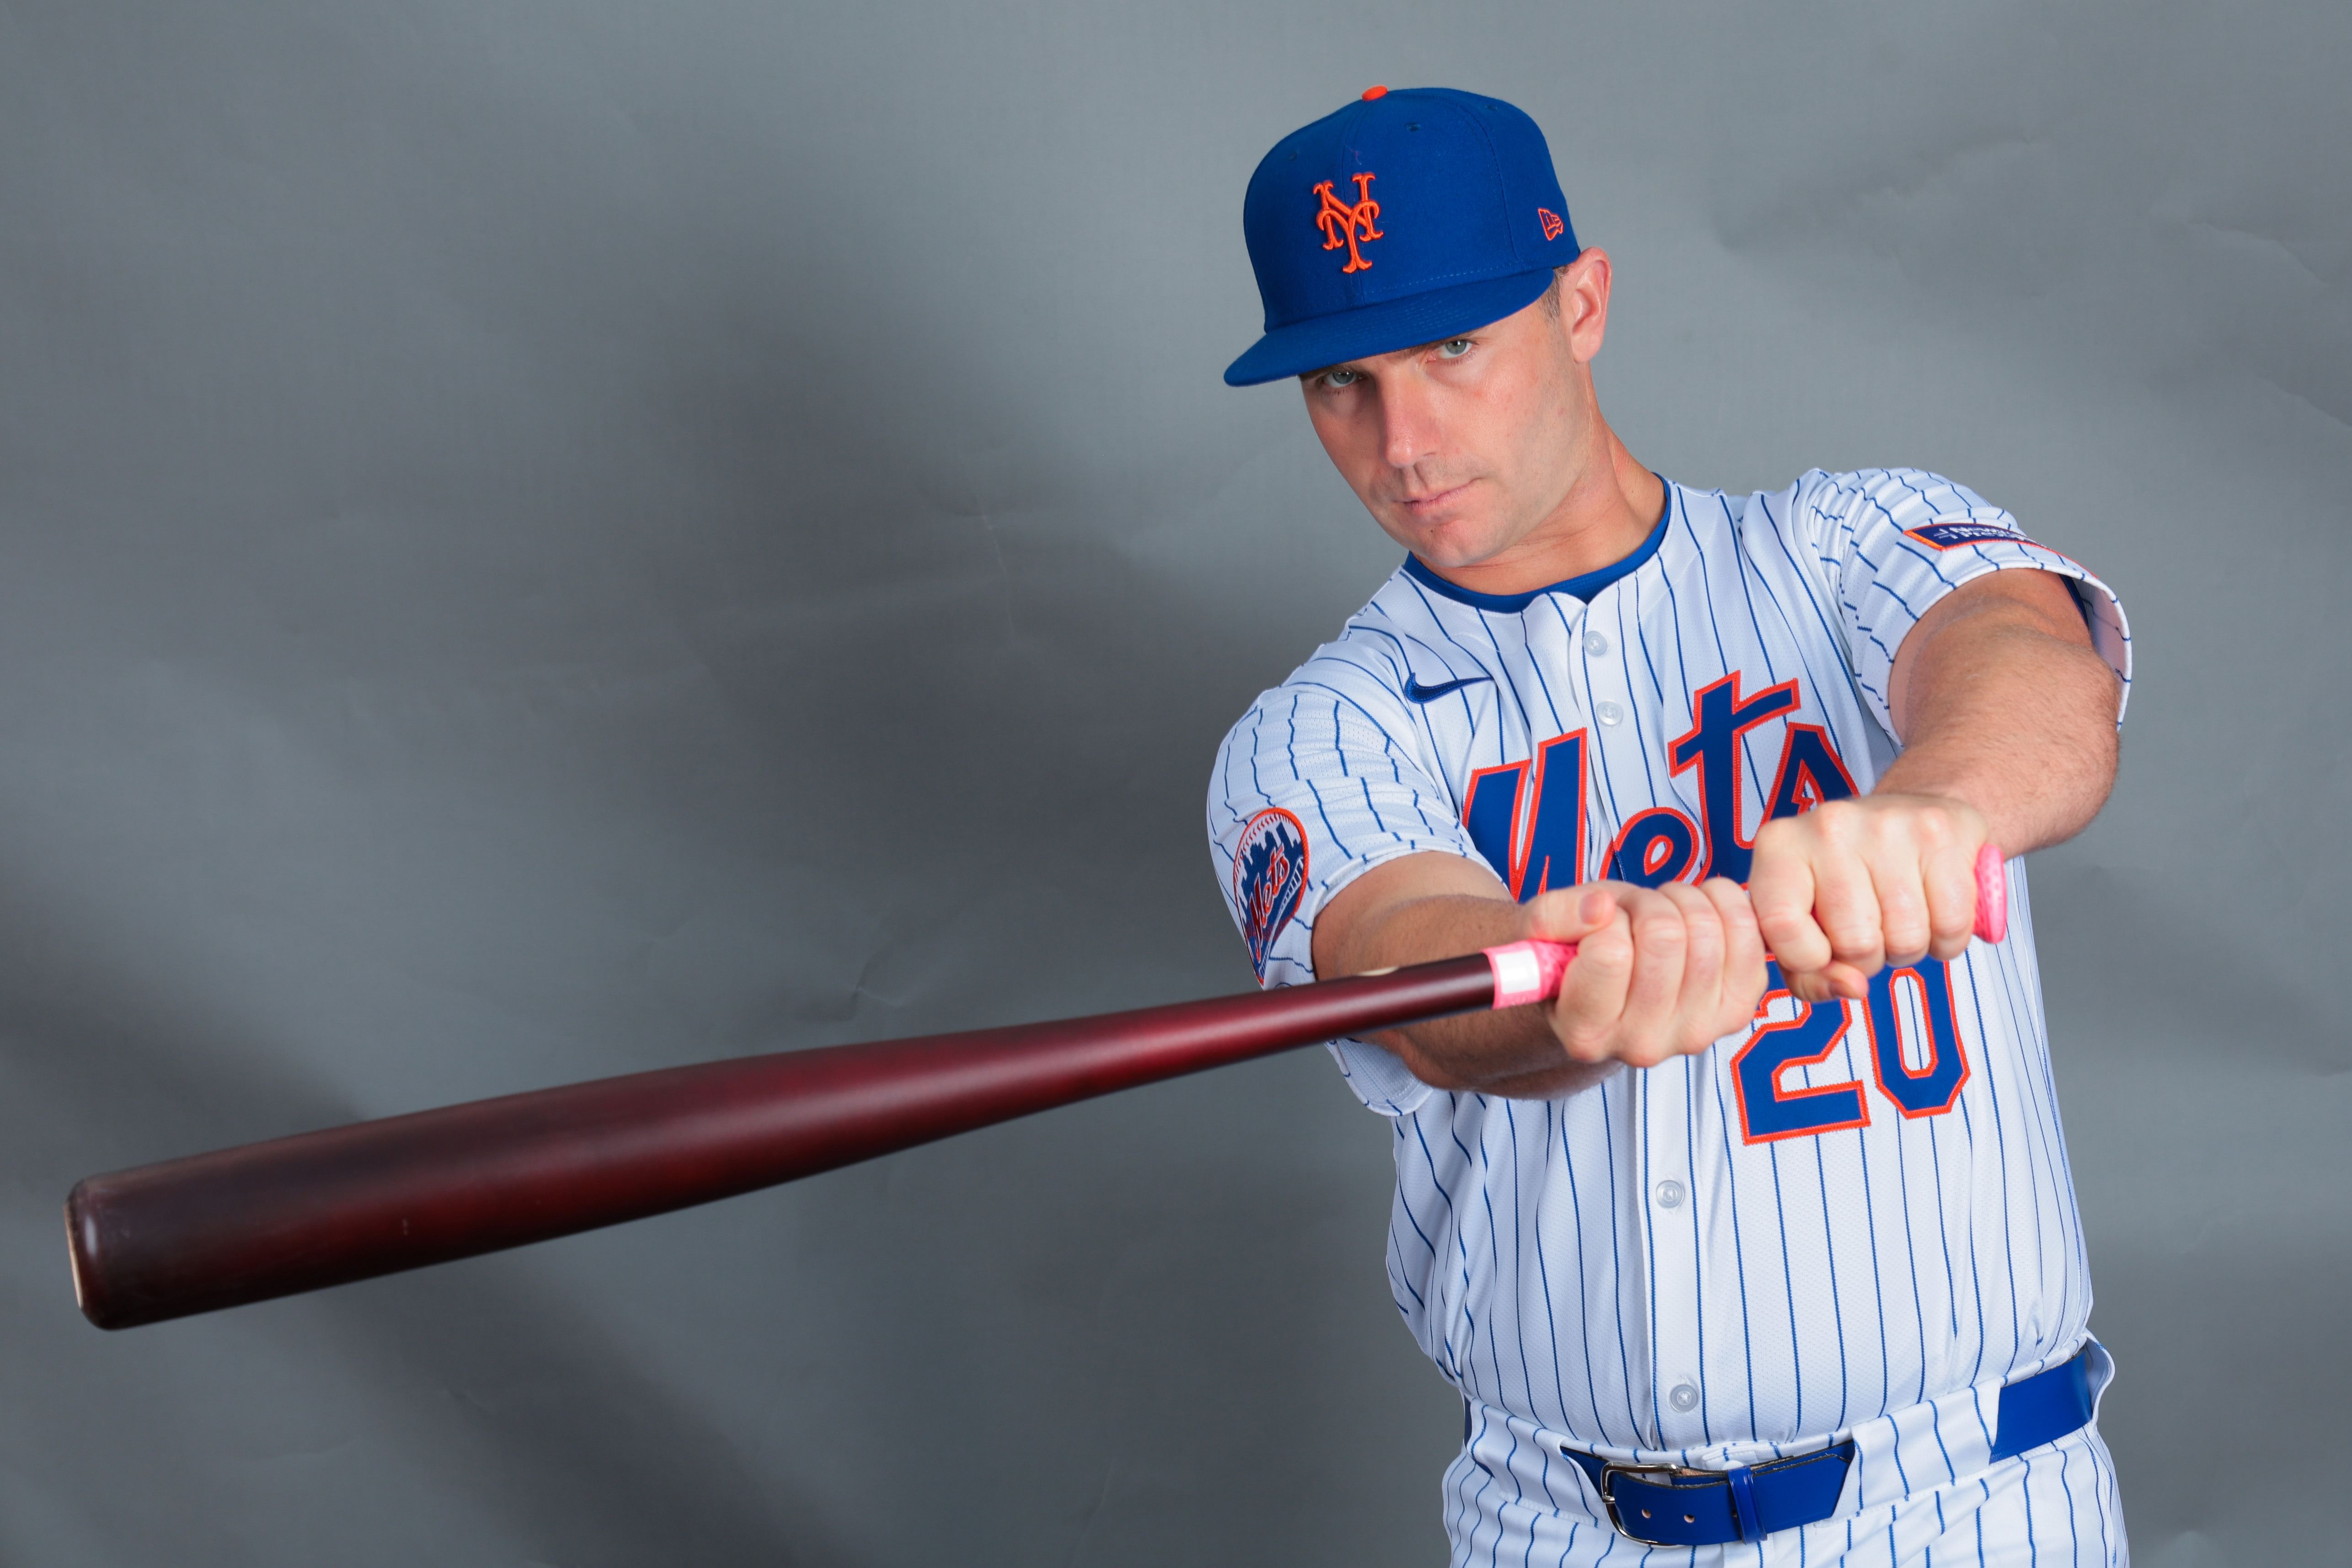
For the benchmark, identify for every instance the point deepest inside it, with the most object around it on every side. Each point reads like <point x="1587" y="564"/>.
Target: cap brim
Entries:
<point x="1385" y="328"/>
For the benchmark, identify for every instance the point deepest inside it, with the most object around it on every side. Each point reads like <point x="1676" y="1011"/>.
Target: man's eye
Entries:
<point x="1341" y="377"/>
<point x="1453" y="348"/>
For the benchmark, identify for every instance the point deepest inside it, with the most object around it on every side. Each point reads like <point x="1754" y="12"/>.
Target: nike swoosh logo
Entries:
<point x="1415" y="692"/>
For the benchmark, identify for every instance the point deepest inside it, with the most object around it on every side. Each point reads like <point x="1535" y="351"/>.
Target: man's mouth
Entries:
<point x="1437" y="501"/>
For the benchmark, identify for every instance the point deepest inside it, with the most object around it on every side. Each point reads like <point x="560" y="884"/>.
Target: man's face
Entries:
<point x="1461" y="450"/>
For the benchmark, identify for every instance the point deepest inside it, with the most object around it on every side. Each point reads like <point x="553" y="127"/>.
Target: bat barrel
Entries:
<point x="324" y="1208"/>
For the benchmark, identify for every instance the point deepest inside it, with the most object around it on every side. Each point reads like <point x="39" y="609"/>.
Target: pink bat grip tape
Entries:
<point x="1993" y="893"/>
<point x="1529" y="971"/>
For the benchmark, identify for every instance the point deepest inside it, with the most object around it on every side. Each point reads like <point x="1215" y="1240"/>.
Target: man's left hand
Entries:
<point x="1853" y="886"/>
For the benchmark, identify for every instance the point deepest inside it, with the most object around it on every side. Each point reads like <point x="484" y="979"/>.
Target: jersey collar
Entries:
<point x="1582" y="588"/>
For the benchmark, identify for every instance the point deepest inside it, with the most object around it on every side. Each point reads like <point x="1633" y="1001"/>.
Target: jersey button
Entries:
<point x="1669" y="1194"/>
<point x="1596" y="645"/>
<point x="1608" y="713"/>
<point x="1684" y="1398"/>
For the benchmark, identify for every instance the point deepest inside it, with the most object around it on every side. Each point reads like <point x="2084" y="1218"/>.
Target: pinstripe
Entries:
<point x="1614" y="811"/>
<point x="2001" y="1142"/>
<point x="1763" y="650"/>
<point x="2104" y="1494"/>
<point x="1583" y="1270"/>
<point x="1910" y="1249"/>
<point x="1494" y="1240"/>
<point x="1698" y="1253"/>
<point x="1796" y="1423"/>
<point x="1836" y="1295"/>
<point x="1486" y="620"/>
<point x="1878" y="1285"/>
<point x="2032" y="1546"/>
<point x="1944" y="1229"/>
<point x="1951" y="1471"/>
<point x="2037" y="1129"/>
<point x="1648" y="1241"/>
<point x="1750" y="571"/>
<point x="1316" y="796"/>
<point x="1550" y="705"/>
<point x="1634" y="1434"/>
<point x="1739" y="1253"/>
<point x="1398" y="1271"/>
<point x="1975" y="1271"/>
<point x="1558" y="1414"/>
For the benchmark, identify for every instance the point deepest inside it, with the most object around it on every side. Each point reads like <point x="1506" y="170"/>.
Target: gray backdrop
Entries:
<point x="539" y="539"/>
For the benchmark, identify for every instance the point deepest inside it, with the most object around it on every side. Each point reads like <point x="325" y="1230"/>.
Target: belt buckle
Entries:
<point x="1611" y="1471"/>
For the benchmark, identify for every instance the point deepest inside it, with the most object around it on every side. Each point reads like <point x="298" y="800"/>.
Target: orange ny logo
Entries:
<point x="1344" y="222"/>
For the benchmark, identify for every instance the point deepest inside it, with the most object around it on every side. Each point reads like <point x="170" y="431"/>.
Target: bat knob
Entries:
<point x="1993" y="893"/>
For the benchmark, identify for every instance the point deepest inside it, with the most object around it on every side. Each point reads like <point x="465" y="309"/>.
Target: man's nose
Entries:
<point x="1408" y="423"/>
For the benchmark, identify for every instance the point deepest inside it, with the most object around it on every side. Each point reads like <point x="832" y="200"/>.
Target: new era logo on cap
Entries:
<point x="1468" y="219"/>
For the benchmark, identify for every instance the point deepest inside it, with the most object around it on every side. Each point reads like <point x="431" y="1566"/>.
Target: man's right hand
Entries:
<point x="1660" y="973"/>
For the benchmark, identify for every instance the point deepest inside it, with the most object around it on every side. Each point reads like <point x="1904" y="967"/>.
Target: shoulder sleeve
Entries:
<point x="1320" y="781"/>
<point x="1889" y="543"/>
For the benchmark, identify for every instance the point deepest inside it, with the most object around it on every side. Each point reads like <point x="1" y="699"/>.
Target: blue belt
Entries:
<point x="1672" y="1505"/>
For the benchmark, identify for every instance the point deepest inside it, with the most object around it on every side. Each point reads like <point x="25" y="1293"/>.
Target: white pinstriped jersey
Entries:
<point x="1841" y="1216"/>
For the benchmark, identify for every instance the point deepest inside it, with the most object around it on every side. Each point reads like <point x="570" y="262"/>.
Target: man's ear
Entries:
<point x="1583" y="287"/>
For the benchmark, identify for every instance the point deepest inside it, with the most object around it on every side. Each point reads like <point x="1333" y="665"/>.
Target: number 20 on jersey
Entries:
<point x="1917" y="1060"/>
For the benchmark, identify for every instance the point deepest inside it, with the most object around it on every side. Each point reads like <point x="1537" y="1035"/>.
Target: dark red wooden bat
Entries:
<point x="350" y="1203"/>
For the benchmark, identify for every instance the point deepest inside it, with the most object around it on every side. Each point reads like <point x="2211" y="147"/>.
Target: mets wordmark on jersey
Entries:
<point x="1845" y="1212"/>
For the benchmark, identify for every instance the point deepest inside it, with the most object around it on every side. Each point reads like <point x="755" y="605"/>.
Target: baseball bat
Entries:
<point x="291" y="1214"/>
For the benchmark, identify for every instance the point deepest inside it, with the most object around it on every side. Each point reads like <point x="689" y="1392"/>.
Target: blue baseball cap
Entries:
<point x="1404" y="218"/>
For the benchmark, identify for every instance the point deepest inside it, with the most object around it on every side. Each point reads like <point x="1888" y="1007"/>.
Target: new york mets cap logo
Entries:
<point x="1269" y="878"/>
<point x="1348" y="221"/>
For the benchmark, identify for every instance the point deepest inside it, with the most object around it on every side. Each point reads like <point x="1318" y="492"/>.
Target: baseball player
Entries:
<point x="1759" y="1244"/>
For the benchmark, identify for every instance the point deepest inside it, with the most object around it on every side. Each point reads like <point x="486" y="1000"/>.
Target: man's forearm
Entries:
<point x="1511" y="1053"/>
<point x="2004" y="710"/>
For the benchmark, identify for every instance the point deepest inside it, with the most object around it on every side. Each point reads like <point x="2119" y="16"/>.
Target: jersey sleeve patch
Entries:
<point x="1269" y="878"/>
<point x="1963" y="530"/>
<point x="1892" y="542"/>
